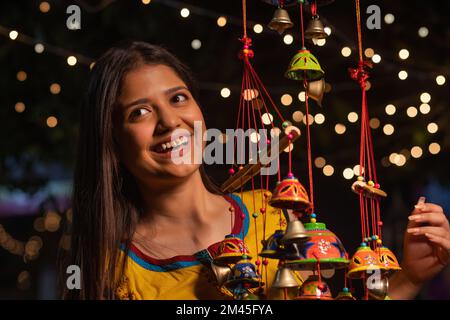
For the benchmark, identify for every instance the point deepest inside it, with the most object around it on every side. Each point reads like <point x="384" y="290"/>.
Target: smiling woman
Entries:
<point x="125" y="186"/>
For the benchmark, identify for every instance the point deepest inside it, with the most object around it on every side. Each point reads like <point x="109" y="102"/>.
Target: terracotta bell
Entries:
<point x="313" y="289"/>
<point x="388" y="259"/>
<point x="231" y="250"/>
<point x="290" y="194"/>
<point x="243" y="275"/>
<point x="280" y="21"/>
<point x="304" y="65"/>
<point x="363" y="260"/>
<point x="322" y="246"/>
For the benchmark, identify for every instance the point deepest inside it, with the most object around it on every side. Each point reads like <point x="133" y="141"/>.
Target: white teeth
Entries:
<point x="175" y="143"/>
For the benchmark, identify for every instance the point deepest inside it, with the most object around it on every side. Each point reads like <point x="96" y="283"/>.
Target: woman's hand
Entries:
<point x="426" y="248"/>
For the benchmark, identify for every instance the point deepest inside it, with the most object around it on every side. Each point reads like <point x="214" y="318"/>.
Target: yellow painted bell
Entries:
<point x="363" y="260"/>
<point x="315" y="29"/>
<point x="304" y="65"/>
<point x="280" y="21"/>
<point x="388" y="259"/>
<point x="315" y="90"/>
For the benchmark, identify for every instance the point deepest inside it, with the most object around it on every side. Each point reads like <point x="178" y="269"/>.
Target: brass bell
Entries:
<point x="221" y="273"/>
<point x="315" y="90"/>
<point x="295" y="231"/>
<point x="280" y="21"/>
<point x="284" y="278"/>
<point x="379" y="289"/>
<point x="315" y="29"/>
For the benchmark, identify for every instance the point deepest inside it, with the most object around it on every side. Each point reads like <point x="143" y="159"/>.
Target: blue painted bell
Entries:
<point x="243" y="275"/>
<point x="272" y="246"/>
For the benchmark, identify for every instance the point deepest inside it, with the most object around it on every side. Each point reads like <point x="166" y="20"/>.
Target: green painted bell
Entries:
<point x="304" y="65"/>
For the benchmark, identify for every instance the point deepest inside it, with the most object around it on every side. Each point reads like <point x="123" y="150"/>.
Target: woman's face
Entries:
<point x="154" y="104"/>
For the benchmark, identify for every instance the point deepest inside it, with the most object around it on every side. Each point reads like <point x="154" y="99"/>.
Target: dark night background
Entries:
<point x="36" y="161"/>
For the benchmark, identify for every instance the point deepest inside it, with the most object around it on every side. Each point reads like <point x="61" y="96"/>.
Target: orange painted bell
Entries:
<point x="322" y="246"/>
<point x="290" y="194"/>
<point x="313" y="289"/>
<point x="388" y="259"/>
<point x="363" y="260"/>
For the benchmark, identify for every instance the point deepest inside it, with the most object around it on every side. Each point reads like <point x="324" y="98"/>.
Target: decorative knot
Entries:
<point x="360" y="74"/>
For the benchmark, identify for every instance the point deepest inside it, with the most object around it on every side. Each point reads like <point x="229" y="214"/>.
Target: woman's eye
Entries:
<point x="138" y="113"/>
<point x="181" y="97"/>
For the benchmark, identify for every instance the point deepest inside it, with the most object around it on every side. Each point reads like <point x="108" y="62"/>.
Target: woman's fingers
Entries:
<point x="434" y="218"/>
<point x="427" y="207"/>
<point x="443" y="247"/>
<point x="444" y="242"/>
<point x="437" y="231"/>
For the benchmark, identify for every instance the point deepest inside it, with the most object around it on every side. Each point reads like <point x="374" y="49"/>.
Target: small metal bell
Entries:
<point x="315" y="90"/>
<point x="284" y="278"/>
<point x="315" y="29"/>
<point x="379" y="289"/>
<point x="280" y="21"/>
<point x="295" y="231"/>
<point x="221" y="273"/>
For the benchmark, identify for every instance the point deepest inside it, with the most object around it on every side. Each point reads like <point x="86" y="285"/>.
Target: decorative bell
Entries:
<point x="315" y="29"/>
<point x="295" y="231"/>
<point x="315" y="90"/>
<point x="284" y="278"/>
<point x="304" y="65"/>
<point x="280" y="21"/>
<point x="290" y="194"/>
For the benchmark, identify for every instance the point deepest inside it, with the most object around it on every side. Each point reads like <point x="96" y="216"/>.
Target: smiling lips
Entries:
<point x="171" y="145"/>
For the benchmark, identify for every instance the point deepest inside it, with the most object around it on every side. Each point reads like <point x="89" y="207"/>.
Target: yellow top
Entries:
<point x="189" y="277"/>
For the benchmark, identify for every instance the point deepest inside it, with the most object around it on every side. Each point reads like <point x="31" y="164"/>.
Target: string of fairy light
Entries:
<point x="286" y="99"/>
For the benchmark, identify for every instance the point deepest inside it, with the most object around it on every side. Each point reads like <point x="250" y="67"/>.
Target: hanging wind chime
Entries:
<point x="371" y="255"/>
<point x="322" y="249"/>
<point x="256" y="109"/>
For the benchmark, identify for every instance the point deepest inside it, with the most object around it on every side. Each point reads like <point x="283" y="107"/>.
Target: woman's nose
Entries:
<point x="168" y="120"/>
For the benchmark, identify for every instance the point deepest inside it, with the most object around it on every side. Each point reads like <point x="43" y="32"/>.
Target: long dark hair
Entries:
<point x="106" y="204"/>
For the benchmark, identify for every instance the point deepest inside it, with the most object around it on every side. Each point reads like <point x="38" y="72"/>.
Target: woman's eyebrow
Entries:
<point x="146" y="100"/>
